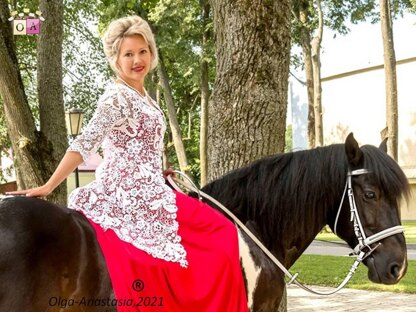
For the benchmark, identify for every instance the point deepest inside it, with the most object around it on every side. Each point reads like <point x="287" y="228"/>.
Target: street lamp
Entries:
<point x="74" y="118"/>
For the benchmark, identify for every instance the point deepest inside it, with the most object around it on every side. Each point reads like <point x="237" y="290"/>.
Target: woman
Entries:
<point x="164" y="250"/>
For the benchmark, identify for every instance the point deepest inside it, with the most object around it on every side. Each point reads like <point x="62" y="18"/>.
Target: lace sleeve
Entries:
<point x="110" y="110"/>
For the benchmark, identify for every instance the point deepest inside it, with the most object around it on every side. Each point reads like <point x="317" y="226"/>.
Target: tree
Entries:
<point x="37" y="150"/>
<point x="335" y="14"/>
<point x="203" y="139"/>
<point x="392" y="118"/>
<point x="316" y="74"/>
<point x="302" y="16"/>
<point x="247" y="109"/>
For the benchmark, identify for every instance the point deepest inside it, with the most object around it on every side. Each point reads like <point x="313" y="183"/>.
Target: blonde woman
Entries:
<point x="177" y="251"/>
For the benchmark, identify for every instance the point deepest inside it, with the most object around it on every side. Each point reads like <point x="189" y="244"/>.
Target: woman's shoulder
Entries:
<point x="110" y="91"/>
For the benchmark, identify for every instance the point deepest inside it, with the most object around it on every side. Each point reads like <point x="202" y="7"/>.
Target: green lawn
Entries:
<point x="409" y="226"/>
<point x="331" y="271"/>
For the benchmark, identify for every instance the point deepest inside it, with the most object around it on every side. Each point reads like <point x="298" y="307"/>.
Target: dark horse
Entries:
<point x="49" y="254"/>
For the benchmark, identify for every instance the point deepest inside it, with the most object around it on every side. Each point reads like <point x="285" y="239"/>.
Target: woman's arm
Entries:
<point x="69" y="162"/>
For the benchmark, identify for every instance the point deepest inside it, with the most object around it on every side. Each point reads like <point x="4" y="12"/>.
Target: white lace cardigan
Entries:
<point x="129" y="194"/>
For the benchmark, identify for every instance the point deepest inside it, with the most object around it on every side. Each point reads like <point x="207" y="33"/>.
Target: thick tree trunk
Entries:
<point x="316" y="67"/>
<point x="19" y="120"/>
<point x="173" y="120"/>
<point x="247" y="110"/>
<point x="35" y="155"/>
<point x="392" y="118"/>
<point x="203" y="138"/>
<point x="50" y="89"/>
<point x="305" y="37"/>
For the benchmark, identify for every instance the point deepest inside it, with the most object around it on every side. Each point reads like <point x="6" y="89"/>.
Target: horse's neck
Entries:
<point x="290" y="209"/>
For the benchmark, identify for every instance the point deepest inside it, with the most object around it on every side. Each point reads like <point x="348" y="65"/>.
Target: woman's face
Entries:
<point x="134" y="59"/>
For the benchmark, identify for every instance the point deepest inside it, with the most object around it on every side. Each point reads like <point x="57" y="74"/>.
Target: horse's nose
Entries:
<point x="396" y="270"/>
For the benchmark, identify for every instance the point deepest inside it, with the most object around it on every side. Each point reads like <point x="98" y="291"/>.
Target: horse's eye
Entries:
<point x="370" y="195"/>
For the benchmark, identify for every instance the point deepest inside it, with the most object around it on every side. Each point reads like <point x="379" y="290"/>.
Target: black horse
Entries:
<point x="49" y="254"/>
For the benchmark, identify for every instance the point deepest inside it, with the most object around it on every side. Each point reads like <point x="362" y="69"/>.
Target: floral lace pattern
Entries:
<point x="129" y="194"/>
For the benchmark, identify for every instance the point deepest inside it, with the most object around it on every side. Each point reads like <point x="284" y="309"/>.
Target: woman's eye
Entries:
<point x="143" y="51"/>
<point x="370" y="195"/>
<point x="128" y="54"/>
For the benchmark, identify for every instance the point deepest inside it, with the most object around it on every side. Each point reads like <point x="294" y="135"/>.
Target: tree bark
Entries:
<point x="173" y="120"/>
<point x="34" y="152"/>
<point x="247" y="110"/>
<point x="19" y="120"/>
<point x="316" y="67"/>
<point x="305" y="37"/>
<point x="203" y="138"/>
<point x="392" y="118"/>
<point x="50" y="90"/>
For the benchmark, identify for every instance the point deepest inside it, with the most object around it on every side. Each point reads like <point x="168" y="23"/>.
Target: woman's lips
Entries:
<point x="138" y="69"/>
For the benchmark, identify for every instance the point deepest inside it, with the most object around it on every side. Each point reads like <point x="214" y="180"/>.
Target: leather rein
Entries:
<point x="362" y="250"/>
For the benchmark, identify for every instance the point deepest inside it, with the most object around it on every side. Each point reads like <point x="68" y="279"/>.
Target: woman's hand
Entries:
<point x="168" y="172"/>
<point x="40" y="191"/>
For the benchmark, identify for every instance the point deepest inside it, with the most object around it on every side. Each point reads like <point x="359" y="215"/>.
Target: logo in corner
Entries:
<point x="26" y="23"/>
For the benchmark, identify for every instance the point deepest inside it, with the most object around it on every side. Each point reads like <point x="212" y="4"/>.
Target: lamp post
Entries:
<point x="74" y="118"/>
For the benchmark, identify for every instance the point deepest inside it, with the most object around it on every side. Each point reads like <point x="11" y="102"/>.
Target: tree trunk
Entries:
<point x="305" y="37"/>
<point x="19" y="120"/>
<point x="390" y="79"/>
<point x="34" y="152"/>
<point x="316" y="67"/>
<point x="204" y="96"/>
<point x="247" y="110"/>
<point x="173" y="120"/>
<point x="50" y="90"/>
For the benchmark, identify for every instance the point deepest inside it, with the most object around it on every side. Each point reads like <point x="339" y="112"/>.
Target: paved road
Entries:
<point x="341" y="249"/>
<point x="348" y="299"/>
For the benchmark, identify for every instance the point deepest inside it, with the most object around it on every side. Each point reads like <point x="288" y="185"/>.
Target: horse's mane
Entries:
<point x="389" y="176"/>
<point x="290" y="192"/>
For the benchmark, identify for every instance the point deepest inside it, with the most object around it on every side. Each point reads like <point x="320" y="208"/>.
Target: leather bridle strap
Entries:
<point x="363" y="241"/>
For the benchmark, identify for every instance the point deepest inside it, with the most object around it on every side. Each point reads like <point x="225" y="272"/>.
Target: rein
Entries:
<point x="364" y="242"/>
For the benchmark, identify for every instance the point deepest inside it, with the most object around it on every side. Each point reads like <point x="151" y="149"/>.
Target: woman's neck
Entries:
<point x="136" y="85"/>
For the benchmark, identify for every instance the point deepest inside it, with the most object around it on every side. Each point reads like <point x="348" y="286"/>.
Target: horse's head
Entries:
<point x="377" y="193"/>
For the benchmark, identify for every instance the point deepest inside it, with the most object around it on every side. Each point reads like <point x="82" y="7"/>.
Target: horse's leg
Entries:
<point x="268" y="293"/>
<point x="264" y="282"/>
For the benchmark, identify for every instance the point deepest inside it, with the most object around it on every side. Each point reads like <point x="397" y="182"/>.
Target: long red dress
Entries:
<point x="164" y="250"/>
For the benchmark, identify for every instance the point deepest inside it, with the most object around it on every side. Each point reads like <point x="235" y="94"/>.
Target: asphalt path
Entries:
<point x="341" y="249"/>
<point x="299" y="300"/>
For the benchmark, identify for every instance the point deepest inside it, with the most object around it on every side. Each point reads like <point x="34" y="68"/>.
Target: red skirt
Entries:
<point x="212" y="282"/>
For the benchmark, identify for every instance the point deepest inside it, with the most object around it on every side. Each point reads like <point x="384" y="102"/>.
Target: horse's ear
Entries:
<point x="353" y="151"/>
<point x="383" y="145"/>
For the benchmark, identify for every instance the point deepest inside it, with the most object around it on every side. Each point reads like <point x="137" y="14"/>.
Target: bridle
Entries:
<point x="364" y="242"/>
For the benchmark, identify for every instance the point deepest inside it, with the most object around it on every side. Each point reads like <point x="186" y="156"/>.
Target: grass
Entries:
<point x="331" y="271"/>
<point x="409" y="232"/>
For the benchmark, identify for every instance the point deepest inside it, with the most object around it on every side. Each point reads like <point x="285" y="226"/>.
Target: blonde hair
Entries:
<point x="127" y="27"/>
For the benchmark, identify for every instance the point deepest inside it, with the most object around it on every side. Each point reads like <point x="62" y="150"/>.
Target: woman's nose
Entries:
<point x="136" y="59"/>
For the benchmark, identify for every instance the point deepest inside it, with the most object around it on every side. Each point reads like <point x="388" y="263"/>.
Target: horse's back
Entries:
<point x="48" y="254"/>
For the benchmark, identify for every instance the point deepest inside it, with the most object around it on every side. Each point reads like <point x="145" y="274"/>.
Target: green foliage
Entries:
<point x="84" y="63"/>
<point x="338" y="13"/>
<point x="288" y="139"/>
<point x="179" y="28"/>
<point x="413" y="5"/>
